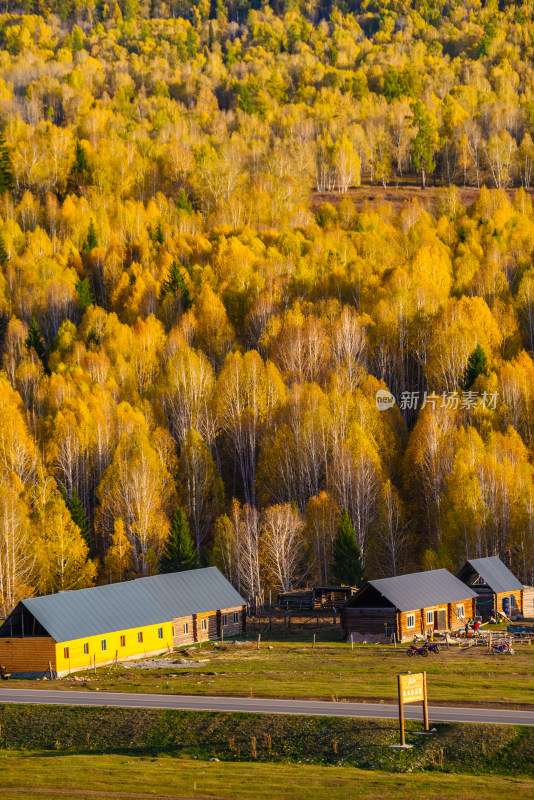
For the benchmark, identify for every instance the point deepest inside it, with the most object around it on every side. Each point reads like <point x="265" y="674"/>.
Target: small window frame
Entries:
<point x="66" y="652"/>
<point x="160" y="633"/>
<point x="410" y="621"/>
<point x="224" y="620"/>
<point x="186" y="628"/>
<point x="86" y="649"/>
<point x="104" y="645"/>
<point x="123" y="640"/>
<point x="139" y="637"/>
<point x="430" y="617"/>
<point x="236" y="617"/>
<point x="460" y="610"/>
<point x="204" y="625"/>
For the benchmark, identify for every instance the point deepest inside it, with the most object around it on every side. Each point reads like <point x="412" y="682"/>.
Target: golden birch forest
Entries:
<point x="224" y="227"/>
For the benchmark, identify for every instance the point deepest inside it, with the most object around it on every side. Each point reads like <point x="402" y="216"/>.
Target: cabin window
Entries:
<point x="410" y="621"/>
<point x="65" y="652"/>
<point x="104" y="644"/>
<point x="160" y="633"/>
<point x="204" y="624"/>
<point x="512" y="601"/>
<point x="186" y="627"/>
<point x="460" y="611"/>
<point x="140" y="637"/>
<point x="236" y="617"/>
<point x="225" y="620"/>
<point x="429" y="617"/>
<point x="123" y="641"/>
<point x="86" y="649"/>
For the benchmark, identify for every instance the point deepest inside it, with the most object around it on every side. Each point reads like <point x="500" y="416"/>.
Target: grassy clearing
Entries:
<point x="331" y="670"/>
<point x="56" y="775"/>
<point x="268" y="738"/>
<point x="29" y="775"/>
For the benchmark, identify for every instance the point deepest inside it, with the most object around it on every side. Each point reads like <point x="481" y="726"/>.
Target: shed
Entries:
<point x="76" y="629"/>
<point x="496" y="586"/>
<point x="406" y="605"/>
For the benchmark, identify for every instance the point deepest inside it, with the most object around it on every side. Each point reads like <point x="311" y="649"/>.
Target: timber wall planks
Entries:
<point x="29" y="654"/>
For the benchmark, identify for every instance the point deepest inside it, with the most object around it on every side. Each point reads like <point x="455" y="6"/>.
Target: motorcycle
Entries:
<point x="500" y="649"/>
<point x="433" y="647"/>
<point x="415" y="650"/>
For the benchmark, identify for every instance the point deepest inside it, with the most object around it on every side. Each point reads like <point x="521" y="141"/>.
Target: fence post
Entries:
<point x="313" y="645"/>
<point x="258" y="645"/>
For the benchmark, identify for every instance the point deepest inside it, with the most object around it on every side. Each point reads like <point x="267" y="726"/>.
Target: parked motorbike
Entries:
<point x="432" y="647"/>
<point x="416" y="650"/>
<point x="501" y="648"/>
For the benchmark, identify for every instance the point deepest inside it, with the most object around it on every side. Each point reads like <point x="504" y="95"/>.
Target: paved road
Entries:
<point x="258" y="705"/>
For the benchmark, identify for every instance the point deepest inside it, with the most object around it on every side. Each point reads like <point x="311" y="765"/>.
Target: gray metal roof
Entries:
<point x="132" y="604"/>
<point x="422" y="589"/>
<point x="494" y="573"/>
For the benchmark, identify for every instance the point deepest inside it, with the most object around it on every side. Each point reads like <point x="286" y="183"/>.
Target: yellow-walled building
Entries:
<point x="72" y="631"/>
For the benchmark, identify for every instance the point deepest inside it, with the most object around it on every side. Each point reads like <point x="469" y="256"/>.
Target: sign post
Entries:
<point x="425" y="705"/>
<point x="401" y="712"/>
<point x="411" y="689"/>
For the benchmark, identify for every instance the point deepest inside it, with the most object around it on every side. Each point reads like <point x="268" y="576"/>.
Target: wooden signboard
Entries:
<point x="411" y="686"/>
<point x="412" y="689"/>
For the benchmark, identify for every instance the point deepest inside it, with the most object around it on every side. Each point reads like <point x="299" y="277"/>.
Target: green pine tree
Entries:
<point x="80" y="174"/>
<point x="91" y="242"/>
<point x="424" y="143"/>
<point x="476" y="365"/>
<point x="35" y="340"/>
<point x="159" y="236"/>
<point x="6" y="170"/>
<point x="179" y="553"/>
<point x="77" y="512"/>
<point x="174" y="284"/>
<point x="85" y="295"/>
<point x="183" y="204"/>
<point x="347" y="567"/>
<point x="93" y="339"/>
<point x="4" y="255"/>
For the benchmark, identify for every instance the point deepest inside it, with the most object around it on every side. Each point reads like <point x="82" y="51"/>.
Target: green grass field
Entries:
<point x="331" y="670"/>
<point x="71" y="777"/>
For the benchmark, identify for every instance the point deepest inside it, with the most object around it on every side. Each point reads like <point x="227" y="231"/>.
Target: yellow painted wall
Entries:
<point x="77" y="659"/>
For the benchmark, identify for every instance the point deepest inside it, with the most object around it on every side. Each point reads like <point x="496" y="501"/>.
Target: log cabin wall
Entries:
<point x="206" y="626"/>
<point x="518" y="600"/>
<point x="456" y="622"/>
<point x="231" y="628"/>
<point x="183" y="631"/>
<point x="405" y="633"/>
<point x="438" y="622"/>
<point x="368" y="620"/>
<point x="528" y="601"/>
<point x="31" y="654"/>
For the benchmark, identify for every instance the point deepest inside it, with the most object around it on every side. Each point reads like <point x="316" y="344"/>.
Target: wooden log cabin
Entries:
<point x="409" y="605"/>
<point x="74" y="630"/>
<point x="496" y="587"/>
<point x="316" y="598"/>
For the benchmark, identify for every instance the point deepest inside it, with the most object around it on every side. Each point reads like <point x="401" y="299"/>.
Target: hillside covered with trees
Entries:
<point x="192" y="340"/>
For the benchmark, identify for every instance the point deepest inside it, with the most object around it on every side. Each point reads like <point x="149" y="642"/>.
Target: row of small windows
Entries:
<point x="410" y="618"/>
<point x="104" y="643"/>
<point x="203" y="625"/>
